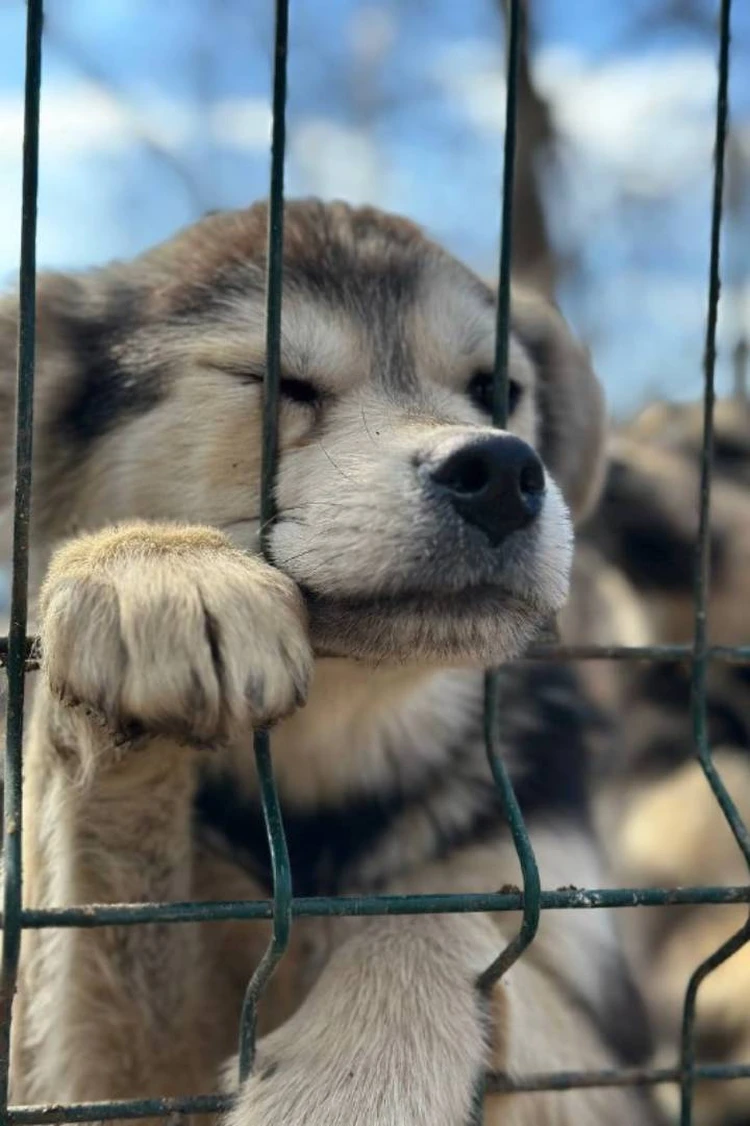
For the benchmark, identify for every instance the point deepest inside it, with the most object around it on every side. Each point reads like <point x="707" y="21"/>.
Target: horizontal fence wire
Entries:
<point x="92" y="915"/>
<point x="20" y="654"/>
<point x="661" y="654"/>
<point x="495" y="1083"/>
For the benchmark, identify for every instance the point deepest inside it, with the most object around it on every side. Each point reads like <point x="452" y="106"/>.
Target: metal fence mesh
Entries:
<point x="283" y="908"/>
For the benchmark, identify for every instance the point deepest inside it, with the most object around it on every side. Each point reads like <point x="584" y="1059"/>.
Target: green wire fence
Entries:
<point x="17" y="652"/>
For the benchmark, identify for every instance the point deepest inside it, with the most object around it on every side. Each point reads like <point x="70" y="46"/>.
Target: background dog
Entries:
<point x="663" y="823"/>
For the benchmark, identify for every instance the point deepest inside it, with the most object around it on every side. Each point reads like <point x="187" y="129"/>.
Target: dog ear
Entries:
<point x="570" y="402"/>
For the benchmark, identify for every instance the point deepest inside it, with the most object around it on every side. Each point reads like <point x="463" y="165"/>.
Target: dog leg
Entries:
<point x="158" y="642"/>
<point x="394" y="1032"/>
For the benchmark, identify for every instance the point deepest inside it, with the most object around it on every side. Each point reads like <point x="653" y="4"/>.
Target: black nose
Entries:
<point x="497" y="484"/>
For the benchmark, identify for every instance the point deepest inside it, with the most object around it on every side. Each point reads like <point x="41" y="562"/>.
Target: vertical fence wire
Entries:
<point x="492" y="724"/>
<point x="13" y="792"/>
<point x="703" y="578"/>
<point x="703" y="551"/>
<point x="280" y="867"/>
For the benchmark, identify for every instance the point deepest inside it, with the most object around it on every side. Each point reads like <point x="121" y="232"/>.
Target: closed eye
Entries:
<point x="290" y="388"/>
<point x="481" y="392"/>
<point x="300" y="391"/>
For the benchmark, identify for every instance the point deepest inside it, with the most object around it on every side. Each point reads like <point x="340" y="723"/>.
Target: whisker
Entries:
<point x="367" y="428"/>
<point x="293" y="558"/>
<point x="333" y="463"/>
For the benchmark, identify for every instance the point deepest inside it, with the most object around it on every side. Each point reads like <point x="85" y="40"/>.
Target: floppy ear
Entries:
<point x="572" y="422"/>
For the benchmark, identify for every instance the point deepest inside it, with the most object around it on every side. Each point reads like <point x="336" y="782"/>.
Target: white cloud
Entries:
<point x="646" y="120"/>
<point x="241" y="123"/>
<point x="372" y="33"/>
<point x="334" y="159"/>
<point x="71" y="122"/>
<point x="82" y="119"/>
<point x="470" y="73"/>
<point x="81" y="123"/>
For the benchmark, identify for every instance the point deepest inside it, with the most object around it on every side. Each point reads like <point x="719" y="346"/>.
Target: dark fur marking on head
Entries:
<point x="360" y="269"/>
<point x="342" y="279"/>
<point x="376" y="295"/>
<point x="106" y="393"/>
<point x="232" y="283"/>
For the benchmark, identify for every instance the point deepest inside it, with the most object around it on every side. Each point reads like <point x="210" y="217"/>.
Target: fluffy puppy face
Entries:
<point x="415" y="530"/>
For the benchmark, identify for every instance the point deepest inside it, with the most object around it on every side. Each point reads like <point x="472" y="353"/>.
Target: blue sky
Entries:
<point x="153" y="112"/>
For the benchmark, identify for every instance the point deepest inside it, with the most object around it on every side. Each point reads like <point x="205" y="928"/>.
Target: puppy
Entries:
<point x="414" y="546"/>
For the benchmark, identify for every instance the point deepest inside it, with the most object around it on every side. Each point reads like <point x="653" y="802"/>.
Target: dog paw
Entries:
<point x="169" y="629"/>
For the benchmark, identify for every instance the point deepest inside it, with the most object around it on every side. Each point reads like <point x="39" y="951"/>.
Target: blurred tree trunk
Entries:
<point x="534" y="260"/>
